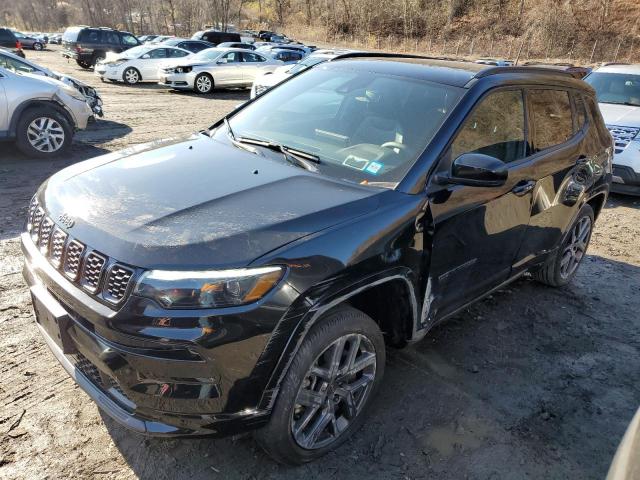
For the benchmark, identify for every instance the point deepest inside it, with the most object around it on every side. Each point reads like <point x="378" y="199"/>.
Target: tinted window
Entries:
<point x="175" y="53"/>
<point x="6" y="35"/>
<point x="551" y="114"/>
<point x="233" y="57"/>
<point x="89" y="36"/>
<point x="129" y="40"/>
<point x="495" y="127"/>
<point x="158" y="53"/>
<point x="111" y="38"/>
<point x="252" y="57"/>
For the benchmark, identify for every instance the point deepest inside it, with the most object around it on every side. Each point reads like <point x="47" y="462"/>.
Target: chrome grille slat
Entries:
<point x="102" y="277"/>
<point x="38" y="216"/>
<point x="46" y="228"/>
<point x="58" y="239"/>
<point x="622" y="136"/>
<point x="72" y="260"/>
<point x="92" y="271"/>
<point x="117" y="283"/>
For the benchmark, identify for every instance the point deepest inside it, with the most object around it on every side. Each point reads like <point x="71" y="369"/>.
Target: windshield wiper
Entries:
<point x="294" y="156"/>
<point x="233" y="139"/>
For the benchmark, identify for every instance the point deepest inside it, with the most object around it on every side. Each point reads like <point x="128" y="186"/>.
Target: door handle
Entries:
<point x="524" y="187"/>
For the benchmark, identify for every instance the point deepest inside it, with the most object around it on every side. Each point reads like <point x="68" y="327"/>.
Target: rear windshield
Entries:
<point x="71" y="34"/>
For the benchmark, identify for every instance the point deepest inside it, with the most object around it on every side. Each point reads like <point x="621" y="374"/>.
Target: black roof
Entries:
<point x="437" y="69"/>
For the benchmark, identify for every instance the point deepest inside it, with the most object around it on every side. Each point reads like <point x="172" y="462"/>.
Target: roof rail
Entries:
<point x="390" y="55"/>
<point x="520" y="69"/>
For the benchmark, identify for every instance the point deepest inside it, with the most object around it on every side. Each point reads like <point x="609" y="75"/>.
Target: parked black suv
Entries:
<point x="8" y="41"/>
<point x="88" y="45"/>
<point x="249" y="277"/>
<point x="215" y="37"/>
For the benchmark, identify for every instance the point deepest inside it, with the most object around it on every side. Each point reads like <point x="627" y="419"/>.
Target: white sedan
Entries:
<point x="217" y="67"/>
<point x="138" y="64"/>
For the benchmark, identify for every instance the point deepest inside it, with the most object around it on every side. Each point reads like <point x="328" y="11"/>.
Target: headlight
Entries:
<point x="208" y="289"/>
<point x="72" y="92"/>
<point x="183" y="69"/>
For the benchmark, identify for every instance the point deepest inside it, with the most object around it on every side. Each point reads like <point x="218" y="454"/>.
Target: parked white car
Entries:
<point x="268" y="79"/>
<point x="618" y="91"/>
<point x="217" y="67"/>
<point x="139" y="64"/>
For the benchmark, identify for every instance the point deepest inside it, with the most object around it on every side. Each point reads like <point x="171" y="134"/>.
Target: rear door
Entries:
<point x="253" y="65"/>
<point x="562" y="170"/>
<point x="477" y="231"/>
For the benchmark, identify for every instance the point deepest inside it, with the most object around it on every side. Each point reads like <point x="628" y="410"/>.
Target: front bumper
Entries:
<point x="178" y="81"/>
<point x="625" y="180"/>
<point x="162" y="386"/>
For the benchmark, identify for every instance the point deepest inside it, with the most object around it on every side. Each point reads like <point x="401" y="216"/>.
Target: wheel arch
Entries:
<point x="398" y="329"/>
<point x="597" y="203"/>
<point x="134" y="68"/>
<point x="35" y="103"/>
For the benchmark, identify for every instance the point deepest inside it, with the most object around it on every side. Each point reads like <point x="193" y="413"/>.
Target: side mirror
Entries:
<point x="146" y="56"/>
<point x="221" y="61"/>
<point x="477" y="170"/>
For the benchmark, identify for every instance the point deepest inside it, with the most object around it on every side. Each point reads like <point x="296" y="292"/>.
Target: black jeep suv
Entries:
<point x="250" y="276"/>
<point x="87" y="45"/>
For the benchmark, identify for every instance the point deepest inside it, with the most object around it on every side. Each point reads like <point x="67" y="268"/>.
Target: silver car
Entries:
<point x="40" y="113"/>
<point x="217" y="67"/>
<point x="18" y="64"/>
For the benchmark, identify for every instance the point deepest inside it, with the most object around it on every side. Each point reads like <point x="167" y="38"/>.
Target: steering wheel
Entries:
<point x="398" y="145"/>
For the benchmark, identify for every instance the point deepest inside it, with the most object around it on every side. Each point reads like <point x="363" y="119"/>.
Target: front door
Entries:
<point x="227" y="71"/>
<point x="478" y="230"/>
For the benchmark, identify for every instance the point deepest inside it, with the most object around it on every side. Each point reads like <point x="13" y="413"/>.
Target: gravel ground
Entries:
<point x="532" y="382"/>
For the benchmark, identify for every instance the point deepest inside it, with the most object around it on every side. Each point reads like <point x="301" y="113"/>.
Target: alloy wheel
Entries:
<point x="203" y="84"/>
<point x="334" y="391"/>
<point x="132" y="76"/>
<point x="577" y="247"/>
<point x="45" y="134"/>
<point x="37" y="46"/>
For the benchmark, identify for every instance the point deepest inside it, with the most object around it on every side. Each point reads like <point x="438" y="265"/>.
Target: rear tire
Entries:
<point x="43" y="132"/>
<point x="320" y="403"/>
<point x="562" y="267"/>
<point x="203" y="83"/>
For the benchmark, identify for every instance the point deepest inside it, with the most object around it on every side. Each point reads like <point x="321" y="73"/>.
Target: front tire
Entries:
<point x="327" y="389"/>
<point x="203" y="83"/>
<point x="562" y="267"/>
<point x="37" y="46"/>
<point x="43" y="132"/>
<point x="131" y="76"/>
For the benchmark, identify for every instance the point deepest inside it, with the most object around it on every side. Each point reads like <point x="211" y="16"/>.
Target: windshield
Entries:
<point x="363" y="126"/>
<point x="207" y="55"/>
<point x="620" y="88"/>
<point x="15" y="65"/>
<point x="135" y="52"/>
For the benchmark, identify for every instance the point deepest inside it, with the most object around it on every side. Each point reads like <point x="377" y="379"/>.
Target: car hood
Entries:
<point x="196" y="203"/>
<point x="620" y="115"/>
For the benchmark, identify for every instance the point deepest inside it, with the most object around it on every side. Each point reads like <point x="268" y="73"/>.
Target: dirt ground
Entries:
<point x="531" y="383"/>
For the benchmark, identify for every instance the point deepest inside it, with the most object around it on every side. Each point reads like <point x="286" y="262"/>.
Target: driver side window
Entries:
<point x="233" y="57"/>
<point x="495" y="127"/>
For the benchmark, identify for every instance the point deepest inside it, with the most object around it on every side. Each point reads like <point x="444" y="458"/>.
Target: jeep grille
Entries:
<point x="103" y="277"/>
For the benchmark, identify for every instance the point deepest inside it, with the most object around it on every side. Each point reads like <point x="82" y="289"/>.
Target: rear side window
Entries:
<point x="551" y="114"/>
<point x="495" y="128"/>
<point x="581" y="113"/>
<point x="111" y="38"/>
<point x="129" y="40"/>
<point x="89" y="36"/>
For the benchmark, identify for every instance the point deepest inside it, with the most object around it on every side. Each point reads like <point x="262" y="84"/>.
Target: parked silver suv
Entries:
<point x="40" y="113"/>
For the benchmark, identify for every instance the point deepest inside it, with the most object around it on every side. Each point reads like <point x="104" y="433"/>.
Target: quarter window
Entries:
<point x="551" y="114"/>
<point x="495" y="128"/>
